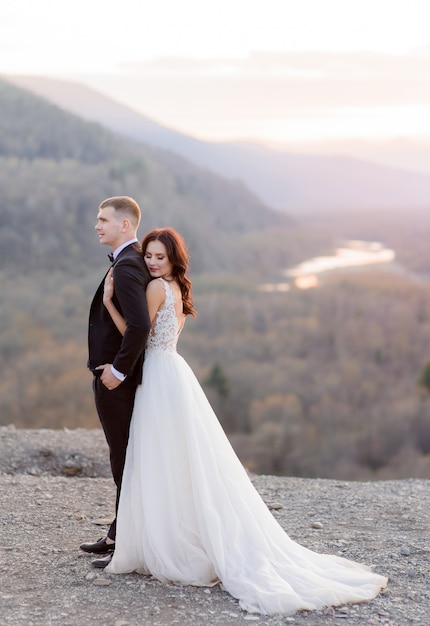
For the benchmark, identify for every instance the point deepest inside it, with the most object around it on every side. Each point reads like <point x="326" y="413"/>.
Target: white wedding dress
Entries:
<point x="188" y="513"/>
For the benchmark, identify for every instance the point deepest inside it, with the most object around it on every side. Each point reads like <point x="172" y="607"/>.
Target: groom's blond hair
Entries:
<point x="124" y="205"/>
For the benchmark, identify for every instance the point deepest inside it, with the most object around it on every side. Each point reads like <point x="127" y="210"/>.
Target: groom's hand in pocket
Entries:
<point x="108" y="378"/>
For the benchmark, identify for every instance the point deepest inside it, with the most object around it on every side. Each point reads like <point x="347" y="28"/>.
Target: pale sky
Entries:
<point x="281" y="70"/>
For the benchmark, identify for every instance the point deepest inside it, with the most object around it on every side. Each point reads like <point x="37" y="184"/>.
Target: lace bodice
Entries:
<point x="165" y="331"/>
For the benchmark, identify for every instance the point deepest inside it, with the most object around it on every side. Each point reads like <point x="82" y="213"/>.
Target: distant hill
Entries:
<point x="55" y="168"/>
<point x="285" y="180"/>
<point x="406" y="153"/>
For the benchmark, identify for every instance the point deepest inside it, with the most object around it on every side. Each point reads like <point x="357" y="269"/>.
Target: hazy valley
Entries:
<point x="315" y="382"/>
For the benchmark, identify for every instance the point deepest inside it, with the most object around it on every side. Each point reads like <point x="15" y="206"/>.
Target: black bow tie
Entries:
<point x="110" y="257"/>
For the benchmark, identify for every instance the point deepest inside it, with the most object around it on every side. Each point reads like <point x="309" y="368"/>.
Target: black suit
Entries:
<point x="107" y="345"/>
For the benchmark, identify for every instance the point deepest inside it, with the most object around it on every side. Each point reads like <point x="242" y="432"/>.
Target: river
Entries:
<point x="353" y="254"/>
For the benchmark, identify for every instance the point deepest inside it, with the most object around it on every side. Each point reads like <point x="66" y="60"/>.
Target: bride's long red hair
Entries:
<point x="178" y="256"/>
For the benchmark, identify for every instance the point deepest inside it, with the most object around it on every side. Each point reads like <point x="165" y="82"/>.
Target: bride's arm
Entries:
<point x="116" y="316"/>
<point x="155" y="297"/>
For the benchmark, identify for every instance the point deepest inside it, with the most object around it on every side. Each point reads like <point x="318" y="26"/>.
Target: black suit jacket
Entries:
<point x="105" y="342"/>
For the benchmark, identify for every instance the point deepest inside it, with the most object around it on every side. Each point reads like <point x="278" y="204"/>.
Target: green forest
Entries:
<point x="328" y="382"/>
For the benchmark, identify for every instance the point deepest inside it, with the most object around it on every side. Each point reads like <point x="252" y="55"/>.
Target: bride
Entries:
<point x="188" y="513"/>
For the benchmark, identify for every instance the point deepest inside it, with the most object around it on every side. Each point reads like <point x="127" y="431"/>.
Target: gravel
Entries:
<point x="56" y="492"/>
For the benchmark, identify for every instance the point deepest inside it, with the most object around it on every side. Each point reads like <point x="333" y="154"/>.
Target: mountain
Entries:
<point x="407" y="153"/>
<point x="288" y="181"/>
<point x="93" y="106"/>
<point x="55" y="168"/>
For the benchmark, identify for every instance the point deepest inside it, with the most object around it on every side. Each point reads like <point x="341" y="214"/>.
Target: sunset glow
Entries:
<point x="277" y="70"/>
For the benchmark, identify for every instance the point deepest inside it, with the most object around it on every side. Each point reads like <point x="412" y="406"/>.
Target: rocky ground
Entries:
<point x="56" y="492"/>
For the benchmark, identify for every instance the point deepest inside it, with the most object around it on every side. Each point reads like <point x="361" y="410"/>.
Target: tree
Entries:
<point x="218" y="380"/>
<point x="424" y="379"/>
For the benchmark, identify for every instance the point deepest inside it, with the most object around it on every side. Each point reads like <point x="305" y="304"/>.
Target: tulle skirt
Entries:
<point x="188" y="513"/>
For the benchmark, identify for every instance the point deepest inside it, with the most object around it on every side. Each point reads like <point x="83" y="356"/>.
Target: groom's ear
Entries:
<point x="125" y="225"/>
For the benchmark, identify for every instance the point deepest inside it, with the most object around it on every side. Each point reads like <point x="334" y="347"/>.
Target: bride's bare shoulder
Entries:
<point x="155" y="286"/>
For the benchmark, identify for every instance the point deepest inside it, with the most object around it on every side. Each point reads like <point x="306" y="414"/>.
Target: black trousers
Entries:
<point x="115" y="409"/>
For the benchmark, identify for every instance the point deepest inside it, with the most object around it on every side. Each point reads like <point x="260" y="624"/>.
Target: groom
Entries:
<point x="116" y="360"/>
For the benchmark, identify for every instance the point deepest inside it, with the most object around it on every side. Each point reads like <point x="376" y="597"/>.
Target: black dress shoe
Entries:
<point x="99" y="547"/>
<point x="101" y="563"/>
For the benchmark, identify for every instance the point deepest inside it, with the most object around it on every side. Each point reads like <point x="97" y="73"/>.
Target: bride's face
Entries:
<point x="157" y="261"/>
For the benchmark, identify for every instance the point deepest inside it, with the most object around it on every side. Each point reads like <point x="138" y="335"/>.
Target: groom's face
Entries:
<point x="110" y="227"/>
